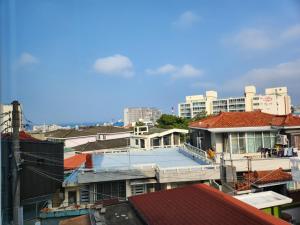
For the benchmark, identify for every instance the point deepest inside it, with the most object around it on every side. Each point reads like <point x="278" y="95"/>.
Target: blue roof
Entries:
<point x="162" y="157"/>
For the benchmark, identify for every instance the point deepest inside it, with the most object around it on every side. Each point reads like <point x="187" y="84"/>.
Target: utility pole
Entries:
<point x="16" y="161"/>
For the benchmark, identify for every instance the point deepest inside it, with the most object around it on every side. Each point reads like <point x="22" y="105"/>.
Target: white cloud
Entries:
<point x="176" y="72"/>
<point x="165" y="69"/>
<point x="287" y="74"/>
<point x="291" y="33"/>
<point x="187" y="19"/>
<point x="117" y="65"/>
<point x="262" y="39"/>
<point x="252" y="39"/>
<point x="27" y="59"/>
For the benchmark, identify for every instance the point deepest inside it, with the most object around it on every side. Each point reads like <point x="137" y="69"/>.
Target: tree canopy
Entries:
<point x="171" y="121"/>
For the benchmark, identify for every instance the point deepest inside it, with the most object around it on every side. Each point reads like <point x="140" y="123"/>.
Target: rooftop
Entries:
<point x="200" y="204"/>
<point x="264" y="199"/>
<point x="161" y="157"/>
<point x="246" y="119"/>
<point x="263" y="178"/>
<point x="103" y="144"/>
<point x="85" y="131"/>
<point x="77" y="161"/>
<point x="140" y="164"/>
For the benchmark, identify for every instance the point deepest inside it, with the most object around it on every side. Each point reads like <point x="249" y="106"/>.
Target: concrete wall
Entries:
<point x="113" y="136"/>
<point x="72" y="142"/>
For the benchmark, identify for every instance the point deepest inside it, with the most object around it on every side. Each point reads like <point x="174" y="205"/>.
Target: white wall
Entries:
<point x="72" y="142"/>
<point x="112" y="136"/>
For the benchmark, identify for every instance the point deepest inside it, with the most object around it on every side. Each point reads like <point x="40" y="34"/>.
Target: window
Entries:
<point x="108" y="190"/>
<point x="136" y="142"/>
<point x="267" y="139"/>
<point x="251" y="142"/>
<point x="242" y="143"/>
<point x="138" y="189"/>
<point x="234" y="143"/>
<point x="258" y="140"/>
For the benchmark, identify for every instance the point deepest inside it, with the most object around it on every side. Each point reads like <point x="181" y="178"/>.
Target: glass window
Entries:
<point x="242" y="143"/>
<point x="267" y="140"/>
<point x="226" y="143"/>
<point x="234" y="144"/>
<point x="258" y="140"/>
<point x="251" y="142"/>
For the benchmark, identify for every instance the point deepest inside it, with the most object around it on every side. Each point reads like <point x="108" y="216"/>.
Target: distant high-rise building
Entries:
<point x="274" y="101"/>
<point x="141" y="114"/>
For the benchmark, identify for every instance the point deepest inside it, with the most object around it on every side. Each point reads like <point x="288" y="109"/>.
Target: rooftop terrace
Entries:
<point x="162" y="158"/>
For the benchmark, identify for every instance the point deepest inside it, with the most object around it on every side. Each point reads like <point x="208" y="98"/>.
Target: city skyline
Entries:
<point x="88" y="61"/>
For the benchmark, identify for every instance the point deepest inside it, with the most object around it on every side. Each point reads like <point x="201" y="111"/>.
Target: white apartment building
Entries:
<point x="142" y="114"/>
<point x="275" y="101"/>
<point x="6" y="118"/>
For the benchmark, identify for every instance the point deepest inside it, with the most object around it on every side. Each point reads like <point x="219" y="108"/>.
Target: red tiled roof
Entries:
<point x="78" y="220"/>
<point x="77" y="160"/>
<point x="23" y="136"/>
<point x="246" y="119"/>
<point x="263" y="177"/>
<point x="198" y="204"/>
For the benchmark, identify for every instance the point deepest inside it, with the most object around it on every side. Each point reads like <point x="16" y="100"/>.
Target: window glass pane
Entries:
<point x="234" y="143"/>
<point x="258" y="140"/>
<point x="267" y="140"/>
<point x="251" y="142"/>
<point x="234" y="135"/>
<point x="226" y="143"/>
<point x="242" y="145"/>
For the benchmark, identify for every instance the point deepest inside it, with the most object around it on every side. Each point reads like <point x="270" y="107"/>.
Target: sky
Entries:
<point x="84" y="61"/>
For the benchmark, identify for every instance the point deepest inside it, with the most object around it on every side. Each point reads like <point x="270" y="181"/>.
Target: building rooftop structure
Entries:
<point x="263" y="178"/>
<point x="197" y="204"/>
<point x="85" y="131"/>
<point x="138" y="164"/>
<point x="264" y="199"/>
<point x="102" y="144"/>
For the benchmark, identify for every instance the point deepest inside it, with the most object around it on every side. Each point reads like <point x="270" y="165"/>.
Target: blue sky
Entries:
<point x="75" y="61"/>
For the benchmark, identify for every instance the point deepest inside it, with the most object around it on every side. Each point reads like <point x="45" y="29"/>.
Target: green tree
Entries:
<point x="139" y="123"/>
<point x="201" y="115"/>
<point x="170" y="121"/>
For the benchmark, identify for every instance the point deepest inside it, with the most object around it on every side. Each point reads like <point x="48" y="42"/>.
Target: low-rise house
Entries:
<point x="122" y="174"/>
<point x="240" y="134"/>
<point x="145" y="137"/>
<point x="275" y="180"/>
<point x="80" y="136"/>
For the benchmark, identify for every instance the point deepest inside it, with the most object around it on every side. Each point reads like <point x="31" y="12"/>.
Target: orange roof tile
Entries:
<point x="75" y="161"/>
<point x="245" y="119"/>
<point x="263" y="177"/>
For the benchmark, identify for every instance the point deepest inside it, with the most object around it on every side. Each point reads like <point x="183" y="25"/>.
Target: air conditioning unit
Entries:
<point x="281" y="139"/>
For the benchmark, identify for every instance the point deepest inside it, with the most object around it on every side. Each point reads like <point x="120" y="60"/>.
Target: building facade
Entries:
<point x="238" y="135"/>
<point x="149" y="138"/>
<point x="143" y="114"/>
<point x="132" y="172"/>
<point x="274" y="101"/>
